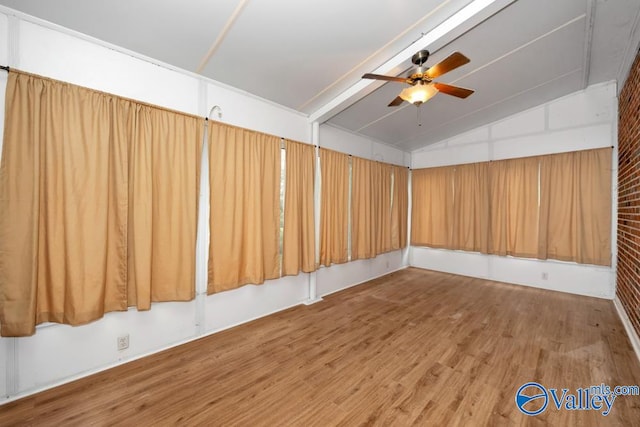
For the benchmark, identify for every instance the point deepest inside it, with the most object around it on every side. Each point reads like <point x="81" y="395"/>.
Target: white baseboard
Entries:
<point x="351" y="285"/>
<point x="553" y="275"/>
<point x="312" y="301"/>
<point x="631" y="332"/>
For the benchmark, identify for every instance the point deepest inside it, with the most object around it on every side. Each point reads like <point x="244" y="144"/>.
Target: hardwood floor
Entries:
<point x="412" y="348"/>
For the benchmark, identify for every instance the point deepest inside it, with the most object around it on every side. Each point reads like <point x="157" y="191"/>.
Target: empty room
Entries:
<point x="327" y="213"/>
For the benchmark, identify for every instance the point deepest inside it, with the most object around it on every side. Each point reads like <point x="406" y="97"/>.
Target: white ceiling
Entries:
<point x="309" y="55"/>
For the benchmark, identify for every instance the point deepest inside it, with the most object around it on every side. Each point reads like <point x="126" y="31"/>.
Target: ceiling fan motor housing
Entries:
<point x="420" y="57"/>
<point x="418" y="75"/>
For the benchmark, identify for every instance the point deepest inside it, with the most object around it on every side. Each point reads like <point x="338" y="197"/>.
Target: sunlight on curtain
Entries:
<point x="334" y="204"/>
<point x="299" y="234"/>
<point x="244" y="221"/>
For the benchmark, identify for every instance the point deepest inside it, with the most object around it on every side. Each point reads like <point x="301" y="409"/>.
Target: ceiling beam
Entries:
<point x="409" y="29"/>
<point x="588" y="40"/>
<point x="216" y="44"/>
<point x="451" y="28"/>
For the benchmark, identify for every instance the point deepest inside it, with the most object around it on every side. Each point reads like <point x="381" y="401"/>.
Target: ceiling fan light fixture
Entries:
<point x="419" y="93"/>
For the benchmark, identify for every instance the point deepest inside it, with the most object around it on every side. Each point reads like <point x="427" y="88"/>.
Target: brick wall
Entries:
<point x="628" y="274"/>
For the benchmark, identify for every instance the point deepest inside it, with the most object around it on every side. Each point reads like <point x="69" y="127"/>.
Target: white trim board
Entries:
<point x="631" y="332"/>
<point x="579" y="279"/>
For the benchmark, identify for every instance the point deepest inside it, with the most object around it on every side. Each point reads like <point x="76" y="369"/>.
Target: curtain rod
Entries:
<point x="7" y="69"/>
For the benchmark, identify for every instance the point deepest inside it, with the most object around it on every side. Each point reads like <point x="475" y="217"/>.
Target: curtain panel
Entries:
<point x="164" y="177"/>
<point x="470" y="229"/>
<point x="513" y="188"/>
<point x="382" y="181"/>
<point x="371" y="208"/>
<point x="334" y="203"/>
<point x="432" y="207"/>
<point x="245" y="207"/>
<point x="364" y="208"/>
<point x="575" y="207"/>
<point x="299" y="242"/>
<point x="399" y="207"/>
<point x="71" y="237"/>
<point x="555" y="206"/>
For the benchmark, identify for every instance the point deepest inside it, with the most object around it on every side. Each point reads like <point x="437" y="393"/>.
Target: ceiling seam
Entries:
<point x="576" y="19"/>
<point x="588" y="41"/>
<point x="574" y="71"/>
<point x="394" y="111"/>
<point x="223" y="33"/>
<point x="377" y="52"/>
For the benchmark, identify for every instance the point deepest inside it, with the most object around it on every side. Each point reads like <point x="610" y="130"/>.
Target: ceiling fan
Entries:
<point x="422" y="86"/>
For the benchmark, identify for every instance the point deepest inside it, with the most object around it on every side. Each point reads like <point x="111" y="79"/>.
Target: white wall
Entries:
<point x="583" y="120"/>
<point x="59" y="353"/>
<point x="340" y="140"/>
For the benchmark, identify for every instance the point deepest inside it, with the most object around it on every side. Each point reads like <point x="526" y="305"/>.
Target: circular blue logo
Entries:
<point x="531" y="396"/>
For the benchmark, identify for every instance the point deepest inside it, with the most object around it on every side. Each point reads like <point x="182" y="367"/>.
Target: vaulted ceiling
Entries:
<point x="310" y="55"/>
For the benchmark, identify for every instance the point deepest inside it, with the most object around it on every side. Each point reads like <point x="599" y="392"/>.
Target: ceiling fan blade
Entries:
<point x="460" y="92"/>
<point x="382" y="77"/>
<point x="397" y="101"/>
<point x="451" y="62"/>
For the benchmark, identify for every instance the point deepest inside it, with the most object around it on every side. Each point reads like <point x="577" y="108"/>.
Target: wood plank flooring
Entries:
<point x="412" y="348"/>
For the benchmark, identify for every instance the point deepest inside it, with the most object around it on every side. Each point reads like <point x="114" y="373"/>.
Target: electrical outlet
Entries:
<point x="545" y="275"/>
<point x="123" y="342"/>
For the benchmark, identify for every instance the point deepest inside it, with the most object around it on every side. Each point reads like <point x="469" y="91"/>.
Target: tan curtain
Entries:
<point x="363" y="215"/>
<point x="471" y="208"/>
<point x="164" y="171"/>
<point x="98" y="202"/>
<point x="514" y="207"/>
<point x="63" y="205"/>
<point x="334" y="202"/>
<point x="575" y="211"/>
<point x="381" y="177"/>
<point x="432" y="207"/>
<point x="244" y="221"/>
<point x="299" y="234"/>
<point x="399" y="209"/>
